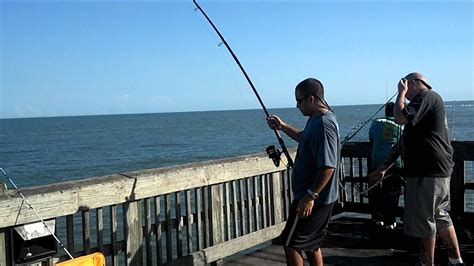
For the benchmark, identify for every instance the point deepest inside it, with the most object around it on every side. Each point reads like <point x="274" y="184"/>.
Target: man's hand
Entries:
<point x="305" y="206"/>
<point x="403" y="86"/>
<point x="375" y="176"/>
<point x="274" y="122"/>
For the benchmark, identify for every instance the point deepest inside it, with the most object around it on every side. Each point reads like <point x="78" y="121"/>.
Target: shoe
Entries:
<point x="378" y="223"/>
<point x="456" y="264"/>
<point x="391" y="226"/>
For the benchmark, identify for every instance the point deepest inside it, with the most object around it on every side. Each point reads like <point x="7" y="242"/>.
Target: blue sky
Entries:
<point x="87" y="57"/>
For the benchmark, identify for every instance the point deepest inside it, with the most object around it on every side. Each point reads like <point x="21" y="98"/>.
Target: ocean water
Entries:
<point x="36" y="151"/>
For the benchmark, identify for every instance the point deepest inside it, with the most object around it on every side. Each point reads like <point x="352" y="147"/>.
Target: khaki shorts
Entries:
<point x="426" y="206"/>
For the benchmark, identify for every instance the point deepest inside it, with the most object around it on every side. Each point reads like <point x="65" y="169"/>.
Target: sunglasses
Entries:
<point x="300" y="100"/>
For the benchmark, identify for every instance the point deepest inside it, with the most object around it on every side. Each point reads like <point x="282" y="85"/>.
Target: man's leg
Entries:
<point x="427" y="248"/>
<point x="315" y="258"/>
<point x="448" y="235"/>
<point x="294" y="257"/>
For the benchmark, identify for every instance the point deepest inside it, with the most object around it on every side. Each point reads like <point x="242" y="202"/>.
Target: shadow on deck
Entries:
<point x="350" y="241"/>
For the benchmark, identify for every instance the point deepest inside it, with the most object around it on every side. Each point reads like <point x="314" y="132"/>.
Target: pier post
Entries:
<point x="5" y="247"/>
<point x="277" y="198"/>
<point x="457" y="189"/>
<point x="217" y="217"/>
<point x="133" y="233"/>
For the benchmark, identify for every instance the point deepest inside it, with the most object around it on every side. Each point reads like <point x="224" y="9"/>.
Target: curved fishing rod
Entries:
<point x="271" y="151"/>
<point x="37" y="215"/>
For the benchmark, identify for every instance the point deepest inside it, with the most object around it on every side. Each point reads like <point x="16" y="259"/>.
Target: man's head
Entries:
<point x="416" y="82"/>
<point x="389" y="109"/>
<point x="309" y="95"/>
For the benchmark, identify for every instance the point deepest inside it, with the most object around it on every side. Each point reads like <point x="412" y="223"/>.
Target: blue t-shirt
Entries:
<point x="318" y="147"/>
<point x="384" y="134"/>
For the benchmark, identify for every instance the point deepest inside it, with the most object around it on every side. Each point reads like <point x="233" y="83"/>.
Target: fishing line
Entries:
<point x="361" y="125"/>
<point x="277" y="133"/>
<point x="374" y="185"/>
<point x="352" y="133"/>
<point x="37" y="215"/>
<point x="451" y="133"/>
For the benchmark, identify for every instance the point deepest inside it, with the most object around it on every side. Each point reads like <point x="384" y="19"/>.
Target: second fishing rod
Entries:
<point x="272" y="153"/>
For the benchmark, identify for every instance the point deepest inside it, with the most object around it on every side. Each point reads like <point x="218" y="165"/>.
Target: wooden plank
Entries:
<point x="469" y="186"/>
<point x="351" y="175"/>
<point x="133" y="233"/>
<point x="228" y="248"/>
<point x="199" y="236"/>
<point x="113" y="235"/>
<point x="243" y="216"/>
<point x="286" y="198"/>
<point x="86" y="232"/>
<point x="70" y="233"/>
<point x="228" y="221"/>
<point x="100" y="228"/>
<point x="236" y="209"/>
<point x="463" y="150"/>
<point x="290" y="175"/>
<point x="148" y="232"/>
<point x="458" y="203"/>
<point x="263" y="196"/>
<point x="217" y="216"/>
<point x="356" y="149"/>
<point x="277" y="198"/>
<point x="249" y="205"/>
<point x="5" y="247"/>
<point x="269" y="214"/>
<point x="189" y="222"/>
<point x="159" y="252"/>
<point x="207" y="220"/>
<point x="178" y="224"/>
<point x="361" y="183"/>
<point x="256" y="212"/>
<point x="169" y="226"/>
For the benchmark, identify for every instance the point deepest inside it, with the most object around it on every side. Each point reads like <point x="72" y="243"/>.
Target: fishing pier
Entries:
<point x="208" y="212"/>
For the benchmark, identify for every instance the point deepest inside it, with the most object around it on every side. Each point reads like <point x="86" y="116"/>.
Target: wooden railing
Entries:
<point x="191" y="214"/>
<point x="356" y="158"/>
<point x="156" y="216"/>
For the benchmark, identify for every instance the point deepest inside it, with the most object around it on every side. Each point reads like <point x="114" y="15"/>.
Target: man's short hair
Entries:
<point x="311" y="86"/>
<point x="389" y="109"/>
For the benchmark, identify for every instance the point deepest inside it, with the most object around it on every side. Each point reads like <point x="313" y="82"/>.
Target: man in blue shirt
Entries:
<point x="315" y="174"/>
<point x="384" y="133"/>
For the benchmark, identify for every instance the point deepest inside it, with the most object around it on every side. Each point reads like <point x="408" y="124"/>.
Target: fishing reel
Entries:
<point x="274" y="154"/>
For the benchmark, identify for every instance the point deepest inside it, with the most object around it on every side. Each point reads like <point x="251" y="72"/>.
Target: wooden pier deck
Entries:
<point x="350" y="242"/>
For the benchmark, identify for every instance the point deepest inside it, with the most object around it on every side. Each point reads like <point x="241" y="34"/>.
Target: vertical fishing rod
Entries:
<point x="280" y="139"/>
<point x="37" y="215"/>
<point x="451" y="133"/>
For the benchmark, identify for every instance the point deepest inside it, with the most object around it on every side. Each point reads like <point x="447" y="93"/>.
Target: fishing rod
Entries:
<point x="37" y="215"/>
<point x="350" y="135"/>
<point x="273" y="153"/>
<point x="361" y="125"/>
<point x="451" y="133"/>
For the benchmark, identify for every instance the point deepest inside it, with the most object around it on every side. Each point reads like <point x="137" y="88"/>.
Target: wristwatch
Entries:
<point x="313" y="195"/>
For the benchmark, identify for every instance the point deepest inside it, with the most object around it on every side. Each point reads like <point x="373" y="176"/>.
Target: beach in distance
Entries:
<point x="38" y="151"/>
